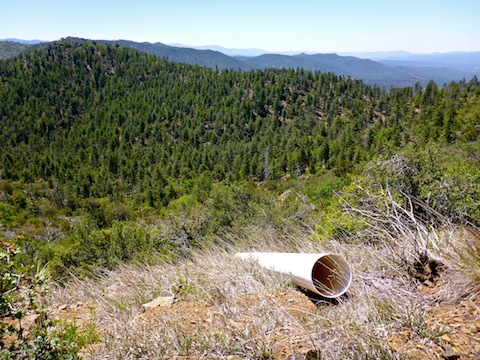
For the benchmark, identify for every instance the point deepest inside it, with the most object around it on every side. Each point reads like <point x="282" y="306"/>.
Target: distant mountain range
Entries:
<point x="231" y="51"/>
<point x="384" y="69"/>
<point x="10" y="48"/>
<point x="453" y="59"/>
<point x="27" y="42"/>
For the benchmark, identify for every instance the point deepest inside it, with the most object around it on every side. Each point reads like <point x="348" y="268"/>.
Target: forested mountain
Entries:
<point x="368" y="71"/>
<point x="111" y="120"/>
<point x="94" y="136"/>
<point x="204" y="58"/>
<point x="10" y="49"/>
<point x="106" y="120"/>
<point x="384" y="73"/>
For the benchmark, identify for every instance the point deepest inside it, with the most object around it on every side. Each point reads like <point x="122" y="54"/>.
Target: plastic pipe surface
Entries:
<point x="328" y="275"/>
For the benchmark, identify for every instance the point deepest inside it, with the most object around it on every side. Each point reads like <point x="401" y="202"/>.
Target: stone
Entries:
<point x="451" y="355"/>
<point x="446" y="338"/>
<point x="447" y="346"/>
<point x="477" y="324"/>
<point x="29" y="321"/>
<point x="428" y="283"/>
<point x="472" y="328"/>
<point x="415" y="354"/>
<point x="162" y="301"/>
<point x="457" y="350"/>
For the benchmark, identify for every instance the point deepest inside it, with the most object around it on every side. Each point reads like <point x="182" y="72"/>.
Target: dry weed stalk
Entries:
<point x="413" y="234"/>
<point x="419" y="241"/>
<point x="225" y="306"/>
<point x="244" y="310"/>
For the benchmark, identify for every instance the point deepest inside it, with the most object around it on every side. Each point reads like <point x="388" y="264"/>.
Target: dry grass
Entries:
<point x="228" y="307"/>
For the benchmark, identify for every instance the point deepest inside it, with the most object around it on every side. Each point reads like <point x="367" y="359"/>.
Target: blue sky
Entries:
<point x="420" y="26"/>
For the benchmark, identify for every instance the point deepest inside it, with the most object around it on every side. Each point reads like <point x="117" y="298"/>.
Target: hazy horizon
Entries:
<point x="314" y="26"/>
<point x="251" y="49"/>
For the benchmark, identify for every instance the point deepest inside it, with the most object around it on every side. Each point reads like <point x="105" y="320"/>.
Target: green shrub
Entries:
<point x="328" y="187"/>
<point x="426" y="180"/>
<point x="19" y="292"/>
<point x="7" y="213"/>
<point x="87" y="248"/>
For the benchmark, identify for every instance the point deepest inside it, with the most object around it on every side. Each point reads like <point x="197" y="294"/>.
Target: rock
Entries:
<point x="159" y="302"/>
<point x="446" y="338"/>
<point x="473" y="328"/>
<point x="477" y="324"/>
<point x="234" y="357"/>
<point x="457" y="350"/>
<point x="447" y="346"/>
<point x="428" y="283"/>
<point x="415" y="354"/>
<point x="29" y="321"/>
<point x="451" y="355"/>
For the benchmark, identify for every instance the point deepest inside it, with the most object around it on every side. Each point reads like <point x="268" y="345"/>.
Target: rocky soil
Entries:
<point x="451" y="328"/>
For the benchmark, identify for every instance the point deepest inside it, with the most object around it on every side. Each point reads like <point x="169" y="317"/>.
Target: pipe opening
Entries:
<point x="331" y="276"/>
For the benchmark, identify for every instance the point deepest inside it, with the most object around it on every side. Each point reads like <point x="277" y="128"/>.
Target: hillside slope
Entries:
<point x="368" y="71"/>
<point x="10" y="49"/>
<point x="124" y="110"/>
<point x="216" y="306"/>
<point x="205" y="58"/>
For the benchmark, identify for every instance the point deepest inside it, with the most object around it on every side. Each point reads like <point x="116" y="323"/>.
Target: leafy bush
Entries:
<point x="436" y="184"/>
<point x="7" y="212"/>
<point x="87" y="248"/>
<point x="19" y="293"/>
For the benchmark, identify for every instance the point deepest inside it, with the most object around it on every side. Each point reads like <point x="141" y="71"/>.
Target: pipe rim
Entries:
<point x="331" y="276"/>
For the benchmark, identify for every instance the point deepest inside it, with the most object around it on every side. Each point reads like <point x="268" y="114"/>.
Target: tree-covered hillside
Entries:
<point x="94" y="116"/>
<point x="109" y="131"/>
<point x="10" y="49"/>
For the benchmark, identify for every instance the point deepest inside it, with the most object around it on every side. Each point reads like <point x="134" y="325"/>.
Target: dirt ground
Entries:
<point x="452" y="328"/>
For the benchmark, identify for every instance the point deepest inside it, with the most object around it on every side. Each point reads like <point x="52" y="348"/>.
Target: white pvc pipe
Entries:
<point x="328" y="275"/>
